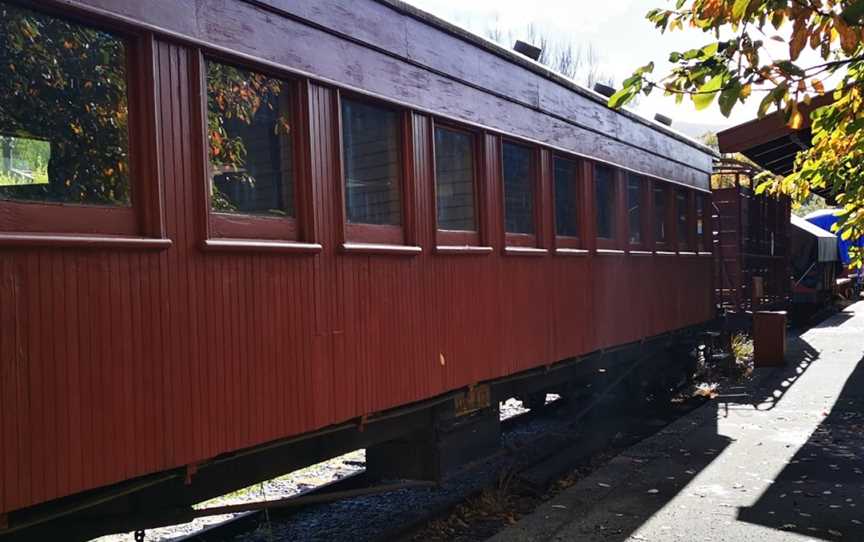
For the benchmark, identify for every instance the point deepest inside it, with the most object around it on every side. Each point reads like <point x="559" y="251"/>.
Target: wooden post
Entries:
<point x="6" y="153"/>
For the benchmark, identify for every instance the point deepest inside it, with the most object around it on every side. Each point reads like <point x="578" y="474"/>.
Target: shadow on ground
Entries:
<point x="814" y="494"/>
<point x="820" y="492"/>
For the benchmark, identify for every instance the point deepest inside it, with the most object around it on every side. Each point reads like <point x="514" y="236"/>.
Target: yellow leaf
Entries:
<point x="818" y="86"/>
<point x="797" y="119"/>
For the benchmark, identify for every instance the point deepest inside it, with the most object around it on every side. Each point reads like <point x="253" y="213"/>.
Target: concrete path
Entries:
<point x="779" y="460"/>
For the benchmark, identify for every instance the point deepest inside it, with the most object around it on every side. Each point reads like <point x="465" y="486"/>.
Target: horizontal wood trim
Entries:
<point x="244" y="245"/>
<point x="640" y="253"/>
<point x="374" y="234"/>
<point x="665" y="253"/>
<point x="610" y="252"/>
<point x="244" y="226"/>
<point x="521" y="240"/>
<point x="525" y="251"/>
<point x="458" y="238"/>
<point x="60" y="218"/>
<point x="467" y="250"/>
<point x="686" y="253"/>
<point x="607" y="244"/>
<point x="381" y="249"/>
<point x="706" y="254"/>
<point x="568" y="242"/>
<point x="572" y="252"/>
<point x="81" y="241"/>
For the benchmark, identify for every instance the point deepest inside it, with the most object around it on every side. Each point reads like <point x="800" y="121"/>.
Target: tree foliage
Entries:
<point x="756" y="49"/>
<point x="66" y="83"/>
<point x="236" y="98"/>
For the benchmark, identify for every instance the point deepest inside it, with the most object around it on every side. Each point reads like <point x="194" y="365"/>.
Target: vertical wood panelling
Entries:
<point x="115" y="364"/>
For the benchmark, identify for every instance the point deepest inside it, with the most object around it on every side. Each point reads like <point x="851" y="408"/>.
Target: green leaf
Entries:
<point x="708" y="92"/>
<point x="621" y="97"/>
<point x="774" y="96"/>
<point x="710" y="50"/>
<point x="647" y="68"/>
<point x="738" y="9"/>
<point x="762" y="187"/>
<point x="790" y="68"/>
<point x="729" y="97"/>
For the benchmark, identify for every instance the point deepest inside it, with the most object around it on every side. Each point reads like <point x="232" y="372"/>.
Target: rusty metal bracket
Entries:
<point x="191" y="470"/>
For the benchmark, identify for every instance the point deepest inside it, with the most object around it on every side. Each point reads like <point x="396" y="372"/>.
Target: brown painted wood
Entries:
<point x="119" y="363"/>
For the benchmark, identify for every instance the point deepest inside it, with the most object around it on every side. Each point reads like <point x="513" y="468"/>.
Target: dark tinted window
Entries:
<point x="566" y="197"/>
<point x="371" y="149"/>
<point x="63" y="111"/>
<point x="660" y="213"/>
<point x="518" y="189"/>
<point x="701" y="223"/>
<point x="682" y="208"/>
<point x="634" y="208"/>
<point x="454" y="179"/>
<point x="250" y="130"/>
<point x="605" y="191"/>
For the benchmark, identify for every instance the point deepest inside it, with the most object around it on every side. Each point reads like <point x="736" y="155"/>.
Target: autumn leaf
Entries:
<point x="799" y="38"/>
<point x="818" y="86"/>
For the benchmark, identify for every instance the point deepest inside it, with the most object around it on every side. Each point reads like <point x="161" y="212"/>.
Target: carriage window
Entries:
<point x="566" y="197"/>
<point x="518" y="188"/>
<point x="701" y="223"/>
<point x="660" y="213"/>
<point x="605" y="196"/>
<point x="63" y="111"/>
<point x="249" y="128"/>
<point x="682" y="208"/>
<point x="454" y="179"/>
<point x="371" y="149"/>
<point x="634" y="208"/>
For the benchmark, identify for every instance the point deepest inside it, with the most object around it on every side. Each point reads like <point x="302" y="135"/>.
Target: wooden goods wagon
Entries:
<point x="230" y="224"/>
<point x="752" y="266"/>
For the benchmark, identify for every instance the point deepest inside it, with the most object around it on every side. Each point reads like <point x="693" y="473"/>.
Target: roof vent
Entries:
<point x="663" y="119"/>
<point x="605" y="90"/>
<point x="527" y="49"/>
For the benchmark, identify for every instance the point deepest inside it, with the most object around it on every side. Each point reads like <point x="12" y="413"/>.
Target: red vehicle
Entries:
<point x="241" y="236"/>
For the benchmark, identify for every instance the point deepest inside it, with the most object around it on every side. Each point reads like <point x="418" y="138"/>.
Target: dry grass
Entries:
<point x="742" y="347"/>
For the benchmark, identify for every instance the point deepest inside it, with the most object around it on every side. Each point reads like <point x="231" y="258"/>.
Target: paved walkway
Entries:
<point x="781" y="460"/>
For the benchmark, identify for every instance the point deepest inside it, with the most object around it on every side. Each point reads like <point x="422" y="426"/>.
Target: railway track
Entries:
<point x="538" y="447"/>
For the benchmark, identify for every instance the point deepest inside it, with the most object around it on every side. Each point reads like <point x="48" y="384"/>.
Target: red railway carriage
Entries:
<point x="225" y="224"/>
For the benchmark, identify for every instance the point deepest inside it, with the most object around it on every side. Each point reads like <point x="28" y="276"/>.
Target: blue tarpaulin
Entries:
<point x="825" y="219"/>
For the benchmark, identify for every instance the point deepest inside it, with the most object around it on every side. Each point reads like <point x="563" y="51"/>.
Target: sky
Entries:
<point x="619" y="31"/>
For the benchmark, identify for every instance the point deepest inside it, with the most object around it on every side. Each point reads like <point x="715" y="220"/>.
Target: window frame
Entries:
<point x="140" y="224"/>
<point x="570" y="241"/>
<point x="460" y="238"/>
<point x="645" y="211"/>
<point x="704" y="242"/>
<point x="513" y="239"/>
<point x="378" y="238"/>
<point x="669" y="243"/>
<point x="688" y="244"/>
<point x="224" y="231"/>
<point x="618" y="222"/>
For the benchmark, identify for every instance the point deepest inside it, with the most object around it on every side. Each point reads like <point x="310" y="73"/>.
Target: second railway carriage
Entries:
<point x="234" y="228"/>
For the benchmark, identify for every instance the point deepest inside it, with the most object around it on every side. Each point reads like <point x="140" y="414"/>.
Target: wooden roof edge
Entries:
<point x="400" y="6"/>
<point x="769" y="128"/>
